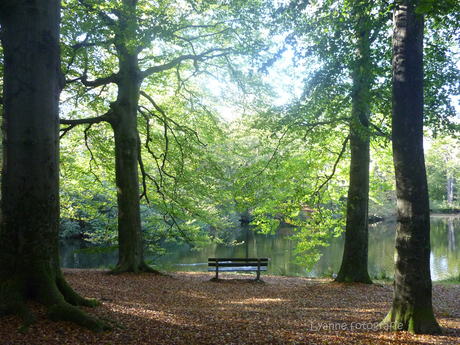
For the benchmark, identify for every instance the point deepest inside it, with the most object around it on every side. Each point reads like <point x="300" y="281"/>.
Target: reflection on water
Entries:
<point x="445" y="257"/>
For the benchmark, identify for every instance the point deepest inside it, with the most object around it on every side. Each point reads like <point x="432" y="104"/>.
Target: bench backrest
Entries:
<point x="238" y="262"/>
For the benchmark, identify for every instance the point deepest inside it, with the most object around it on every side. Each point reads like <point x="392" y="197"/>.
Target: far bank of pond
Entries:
<point x="445" y="257"/>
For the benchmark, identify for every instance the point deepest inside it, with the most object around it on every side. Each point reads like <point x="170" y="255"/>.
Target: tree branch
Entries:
<point x="91" y="152"/>
<point x="274" y="153"/>
<point x="334" y="168"/>
<point x="107" y="117"/>
<point x="311" y="126"/>
<point x="161" y="111"/>
<point x="99" y="81"/>
<point x="189" y="39"/>
<point x="143" y="172"/>
<point x="101" y="14"/>
<point x="379" y="132"/>
<point x="173" y="63"/>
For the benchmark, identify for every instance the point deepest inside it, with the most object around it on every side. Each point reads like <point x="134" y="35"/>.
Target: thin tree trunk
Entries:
<point x="355" y="254"/>
<point x="411" y="309"/>
<point x="451" y="235"/>
<point x="29" y="234"/>
<point x="450" y="189"/>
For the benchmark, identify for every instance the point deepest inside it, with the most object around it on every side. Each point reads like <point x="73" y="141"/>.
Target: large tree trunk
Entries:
<point x="123" y="118"/>
<point x="130" y="241"/>
<point x="355" y="254"/>
<point x="29" y="233"/>
<point x="412" y="298"/>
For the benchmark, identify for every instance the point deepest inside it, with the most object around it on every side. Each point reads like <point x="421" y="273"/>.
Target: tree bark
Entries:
<point x="29" y="233"/>
<point x="123" y="118"/>
<point x="450" y="189"/>
<point x="130" y="242"/>
<point x="412" y="298"/>
<point x="355" y="254"/>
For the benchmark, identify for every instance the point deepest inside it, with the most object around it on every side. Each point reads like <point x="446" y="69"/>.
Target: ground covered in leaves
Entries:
<point x="188" y="308"/>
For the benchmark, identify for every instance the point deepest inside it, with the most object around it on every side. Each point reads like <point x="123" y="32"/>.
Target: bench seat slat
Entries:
<point x="234" y="269"/>
<point x="237" y="264"/>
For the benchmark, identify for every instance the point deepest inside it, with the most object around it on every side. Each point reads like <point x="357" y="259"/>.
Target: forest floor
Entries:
<point x="188" y="308"/>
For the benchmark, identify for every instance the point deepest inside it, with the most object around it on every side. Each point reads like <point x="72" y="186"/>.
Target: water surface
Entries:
<point x="445" y="257"/>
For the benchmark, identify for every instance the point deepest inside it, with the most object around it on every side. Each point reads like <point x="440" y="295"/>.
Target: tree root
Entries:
<point x="50" y="289"/>
<point x="72" y="297"/>
<point x="13" y="301"/>
<point x="414" y="321"/>
<point x="351" y="276"/>
<point x="141" y="268"/>
<point x="67" y="312"/>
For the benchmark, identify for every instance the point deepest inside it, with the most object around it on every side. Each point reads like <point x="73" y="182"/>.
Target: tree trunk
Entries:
<point x="355" y="254"/>
<point x="451" y="235"/>
<point x="412" y="298"/>
<point x="450" y="189"/>
<point x="29" y="233"/>
<point x="123" y="118"/>
<point x="130" y="242"/>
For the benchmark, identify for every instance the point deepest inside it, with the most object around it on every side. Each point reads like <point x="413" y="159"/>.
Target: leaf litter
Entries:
<point x="188" y="308"/>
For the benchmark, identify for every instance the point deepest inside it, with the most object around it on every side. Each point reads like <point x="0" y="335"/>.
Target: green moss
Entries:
<point x="416" y="321"/>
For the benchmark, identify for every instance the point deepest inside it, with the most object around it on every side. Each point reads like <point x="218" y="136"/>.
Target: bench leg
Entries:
<point x="258" y="270"/>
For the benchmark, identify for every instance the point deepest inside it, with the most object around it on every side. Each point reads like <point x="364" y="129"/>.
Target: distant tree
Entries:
<point x="29" y="233"/>
<point x="443" y="166"/>
<point x="412" y="308"/>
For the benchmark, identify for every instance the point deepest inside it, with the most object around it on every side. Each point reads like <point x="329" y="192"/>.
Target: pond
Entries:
<point x="445" y="255"/>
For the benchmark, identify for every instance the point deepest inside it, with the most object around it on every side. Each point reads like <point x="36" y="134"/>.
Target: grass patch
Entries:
<point x="455" y="280"/>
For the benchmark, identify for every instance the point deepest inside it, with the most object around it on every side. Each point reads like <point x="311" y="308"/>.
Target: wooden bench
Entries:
<point x="237" y="265"/>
